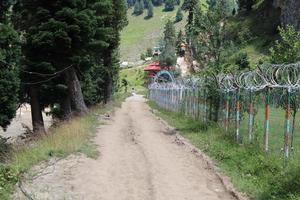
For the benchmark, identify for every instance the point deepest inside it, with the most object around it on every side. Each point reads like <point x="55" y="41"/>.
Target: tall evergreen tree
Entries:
<point x="150" y="9"/>
<point x="157" y="2"/>
<point x="130" y="3"/>
<point x="246" y="4"/>
<point x="188" y="6"/>
<point x="9" y="72"/>
<point x="66" y="43"/>
<point x="111" y="55"/>
<point x="57" y="37"/>
<point x="169" y="5"/>
<point x="168" y="55"/>
<point x="142" y="5"/>
<point x="138" y="8"/>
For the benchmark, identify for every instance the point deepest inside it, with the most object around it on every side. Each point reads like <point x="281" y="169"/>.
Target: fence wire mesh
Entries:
<point x="255" y="106"/>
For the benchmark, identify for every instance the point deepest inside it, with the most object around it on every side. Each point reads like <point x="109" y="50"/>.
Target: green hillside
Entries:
<point x="141" y="33"/>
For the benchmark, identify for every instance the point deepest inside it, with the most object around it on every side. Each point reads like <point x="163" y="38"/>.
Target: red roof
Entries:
<point x="153" y="67"/>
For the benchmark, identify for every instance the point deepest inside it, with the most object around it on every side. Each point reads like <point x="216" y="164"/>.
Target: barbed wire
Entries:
<point x="190" y="95"/>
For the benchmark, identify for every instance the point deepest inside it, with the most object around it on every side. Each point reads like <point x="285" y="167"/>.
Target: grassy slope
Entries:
<point x="135" y="78"/>
<point x="67" y="138"/>
<point x="141" y="34"/>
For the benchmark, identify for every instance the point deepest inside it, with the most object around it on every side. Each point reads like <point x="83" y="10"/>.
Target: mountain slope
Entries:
<point x="141" y="34"/>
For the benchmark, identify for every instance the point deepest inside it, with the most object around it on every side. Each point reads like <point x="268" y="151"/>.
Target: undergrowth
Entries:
<point x="61" y="140"/>
<point x="260" y="176"/>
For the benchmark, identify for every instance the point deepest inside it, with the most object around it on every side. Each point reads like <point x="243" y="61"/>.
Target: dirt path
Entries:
<point x="137" y="162"/>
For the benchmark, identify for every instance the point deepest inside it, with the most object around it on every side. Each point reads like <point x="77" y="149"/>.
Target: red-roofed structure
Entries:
<point x="154" y="67"/>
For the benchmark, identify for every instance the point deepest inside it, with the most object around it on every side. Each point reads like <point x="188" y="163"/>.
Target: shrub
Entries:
<point x="242" y="61"/>
<point x="149" y="52"/>
<point x="143" y="57"/>
<point x="179" y="15"/>
<point x="244" y="35"/>
<point x="287" y="49"/>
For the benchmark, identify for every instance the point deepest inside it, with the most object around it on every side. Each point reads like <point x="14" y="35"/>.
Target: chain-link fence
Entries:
<point x="256" y="106"/>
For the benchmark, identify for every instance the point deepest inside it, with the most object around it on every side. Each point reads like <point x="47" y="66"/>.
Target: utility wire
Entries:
<point x="52" y="76"/>
<point x="41" y="74"/>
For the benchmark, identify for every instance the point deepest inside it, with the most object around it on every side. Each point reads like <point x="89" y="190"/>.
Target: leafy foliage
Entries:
<point x="287" y="49"/>
<point x="9" y="69"/>
<point x="242" y="61"/>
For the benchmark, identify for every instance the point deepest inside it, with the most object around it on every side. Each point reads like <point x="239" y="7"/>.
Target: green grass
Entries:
<point x="135" y="78"/>
<point x="62" y="140"/>
<point x="141" y="34"/>
<point x="261" y="176"/>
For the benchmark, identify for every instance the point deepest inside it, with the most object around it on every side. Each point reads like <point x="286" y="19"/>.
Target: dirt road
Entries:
<point x="137" y="162"/>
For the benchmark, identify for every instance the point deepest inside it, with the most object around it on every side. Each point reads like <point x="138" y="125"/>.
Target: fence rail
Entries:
<point x="247" y="103"/>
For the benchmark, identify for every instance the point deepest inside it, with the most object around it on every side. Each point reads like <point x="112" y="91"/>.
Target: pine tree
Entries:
<point x="179" y="41"/>
<point x="71" y="48"/>
<point x="130" y="3"/>
<point x="111" y="55"/>
<point x="150" y="9"/>
<point x="138" y="8"/>
<point x="188" y="6"/>
<point x="58" y="36"/>
<point x="142" y="6"/>
<point x="246" y="4"/>
<point x="157" y="2"/>
<point x="179" y="15"/>
<point x="9" y="72"/>
<point x="168" y="55"/>
<point x="169" y="5"/>
<point x="169" y="33"/>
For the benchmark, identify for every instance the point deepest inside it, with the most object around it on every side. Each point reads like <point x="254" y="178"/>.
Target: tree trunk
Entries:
<point x="65" y="108"/>
<point x="36" y="111"/>
<point x="75" y="92"/>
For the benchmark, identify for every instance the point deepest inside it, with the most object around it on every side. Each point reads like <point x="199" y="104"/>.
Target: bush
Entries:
<point x="244" y="35"/>
<point x="143" y="57"/>
<point x="287" y="49"/>
<point x="8" y="179"/>
<point x="285" y="185"/>
<point x="242" y="61"/>
<point x="179" y="15"/>
<point x="149" y="52"/>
